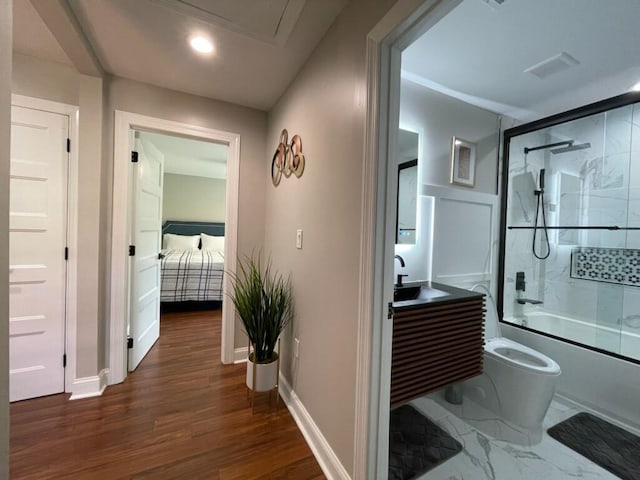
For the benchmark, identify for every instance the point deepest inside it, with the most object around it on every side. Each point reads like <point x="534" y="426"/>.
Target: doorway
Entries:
<point x="179" y="228"/>
<point x="123" y="208"/>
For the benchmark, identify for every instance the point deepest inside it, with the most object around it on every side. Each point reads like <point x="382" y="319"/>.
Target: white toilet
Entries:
<point x="521" y="379"/>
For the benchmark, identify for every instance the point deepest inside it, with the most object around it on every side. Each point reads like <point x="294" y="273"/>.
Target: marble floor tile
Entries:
<point x="484" y="457"/>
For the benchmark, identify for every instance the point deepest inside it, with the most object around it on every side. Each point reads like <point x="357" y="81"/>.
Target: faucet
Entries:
<point x="522" y="301"/>
<point x="521" y="287"/>
<point x="400" y="275"/>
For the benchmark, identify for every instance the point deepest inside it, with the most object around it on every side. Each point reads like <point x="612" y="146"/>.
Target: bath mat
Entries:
<point x="416" y="445"/>
<point x="611" y="447"/>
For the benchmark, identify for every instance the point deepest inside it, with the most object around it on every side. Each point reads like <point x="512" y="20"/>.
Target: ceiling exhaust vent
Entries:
<point x="552" y="65"/>
<point x="494" y="3"/>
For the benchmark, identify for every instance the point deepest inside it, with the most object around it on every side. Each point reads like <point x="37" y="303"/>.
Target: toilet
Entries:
<point x="521" y="380"/>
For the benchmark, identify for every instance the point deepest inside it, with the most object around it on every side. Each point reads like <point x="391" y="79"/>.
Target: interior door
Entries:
<point x="144" y="325"/>
<point x="37" y="239"/>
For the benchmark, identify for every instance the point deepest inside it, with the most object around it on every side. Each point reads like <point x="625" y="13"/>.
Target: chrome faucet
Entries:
<point x="400" y="275"/>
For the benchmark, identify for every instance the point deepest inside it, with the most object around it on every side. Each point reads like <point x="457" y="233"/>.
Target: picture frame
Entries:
<point x="463" y="163"/>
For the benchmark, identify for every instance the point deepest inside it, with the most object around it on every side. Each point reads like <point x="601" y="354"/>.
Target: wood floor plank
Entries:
<point x="180" y="415"/>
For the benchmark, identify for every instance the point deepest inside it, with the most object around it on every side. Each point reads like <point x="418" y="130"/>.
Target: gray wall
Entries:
<point x="325" y="105"/>
<point x="438" y="118"/>
<point x="250" y="124"/>
<point x="441" y="117"/>
<point x="42" y="79"/>
<point x="186" y="197"/>
<point x="5" y="138"/>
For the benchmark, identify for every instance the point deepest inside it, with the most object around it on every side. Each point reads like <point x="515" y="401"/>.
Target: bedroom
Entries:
<point x="193" y="220"/>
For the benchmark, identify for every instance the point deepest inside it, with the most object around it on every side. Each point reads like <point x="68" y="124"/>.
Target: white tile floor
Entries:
<point x="486" y="457"/>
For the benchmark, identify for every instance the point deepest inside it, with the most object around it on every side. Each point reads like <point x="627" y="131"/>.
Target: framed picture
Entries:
<point x="463" y="163"/>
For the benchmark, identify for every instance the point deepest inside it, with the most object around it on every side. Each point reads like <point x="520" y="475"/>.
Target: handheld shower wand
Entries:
<point x="540" y="206"/>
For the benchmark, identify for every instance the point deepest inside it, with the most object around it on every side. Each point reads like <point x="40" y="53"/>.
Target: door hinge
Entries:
<point x="66" y="253"/>
<point x="134" y="156"/>
<point x="64" y="360"/>
<point x="129" y="342"/>
<point x="68" y="145"/>
<point x="132" y="250"/>
<point x="390" y="311"/>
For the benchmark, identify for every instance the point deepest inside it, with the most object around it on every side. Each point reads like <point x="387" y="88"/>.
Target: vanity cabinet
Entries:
<point x="436" y="342"/>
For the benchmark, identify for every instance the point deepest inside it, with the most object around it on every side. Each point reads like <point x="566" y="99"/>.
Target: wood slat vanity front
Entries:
<point x="436" y="343"/>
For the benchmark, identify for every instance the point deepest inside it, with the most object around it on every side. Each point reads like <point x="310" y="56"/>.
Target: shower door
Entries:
<point x="570" y="262"/>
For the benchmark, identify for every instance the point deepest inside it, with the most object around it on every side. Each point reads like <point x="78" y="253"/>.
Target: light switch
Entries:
<point x="296" y="347"/>
<point x="299" y="238"/>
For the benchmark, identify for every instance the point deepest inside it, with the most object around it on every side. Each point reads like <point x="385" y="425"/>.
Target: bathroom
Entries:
<point x="474" y="228"/>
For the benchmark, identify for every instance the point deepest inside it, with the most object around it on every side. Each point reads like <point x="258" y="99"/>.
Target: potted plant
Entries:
<point x="264" y="302"/>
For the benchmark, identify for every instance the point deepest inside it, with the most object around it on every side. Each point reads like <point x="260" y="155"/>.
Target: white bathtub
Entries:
<point x="606" y="338"/>
<point x="602" y="382"/>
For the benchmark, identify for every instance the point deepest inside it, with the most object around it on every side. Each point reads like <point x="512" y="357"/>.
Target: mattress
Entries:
<point x="192" y="275"/>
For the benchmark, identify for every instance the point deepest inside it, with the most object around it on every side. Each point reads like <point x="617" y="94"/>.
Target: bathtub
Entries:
<point x="598" y="381"/>
<point x="607" y="338"/>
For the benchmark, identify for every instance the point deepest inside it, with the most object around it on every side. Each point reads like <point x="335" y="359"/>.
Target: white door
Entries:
<point x="144" y="326"/>
<point x="37" y="238"/>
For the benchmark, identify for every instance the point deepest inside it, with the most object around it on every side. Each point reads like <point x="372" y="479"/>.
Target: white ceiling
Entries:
<point x="186" y="156"/>
<point x="260" y="45"/>
<point x="479" y="53"/>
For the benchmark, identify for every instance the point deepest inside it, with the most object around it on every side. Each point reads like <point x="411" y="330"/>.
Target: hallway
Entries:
<point x="180" y="415"/>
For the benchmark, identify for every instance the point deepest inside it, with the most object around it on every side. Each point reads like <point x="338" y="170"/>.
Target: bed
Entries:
<point x="191" y="273"/>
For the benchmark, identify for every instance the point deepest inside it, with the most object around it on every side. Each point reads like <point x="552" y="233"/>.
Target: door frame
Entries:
<point x="406" y="21"/>
<point x="71" y="295"/>
<point x="121" y="228"/>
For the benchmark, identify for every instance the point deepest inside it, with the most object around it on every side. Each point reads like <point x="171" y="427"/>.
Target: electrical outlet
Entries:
<point x="296" y="347"/>
<point x="299" y="238"/>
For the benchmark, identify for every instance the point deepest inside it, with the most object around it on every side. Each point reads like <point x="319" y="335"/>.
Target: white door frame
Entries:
<point x="71" y="299"/>
<point x="121" y="229"/>
<point x="403" y="24"/>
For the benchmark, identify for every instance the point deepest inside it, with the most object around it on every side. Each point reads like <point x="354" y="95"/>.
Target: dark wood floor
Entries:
<point x="180" y="415"/>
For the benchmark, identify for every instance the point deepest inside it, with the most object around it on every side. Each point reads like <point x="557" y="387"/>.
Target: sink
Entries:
<point x="406" y="293"/>
<point x="417" y="292"/>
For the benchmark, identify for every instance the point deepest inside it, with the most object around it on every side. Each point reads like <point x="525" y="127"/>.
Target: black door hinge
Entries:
<point x="68" y="145"/>
<point x="66" y="253"/>
<point x="132" y="250"/>
<point x="390" y="311"/>
<point x="129" y="342"/>
<point x="134" y="156"/>
<point x="64" y="360"/>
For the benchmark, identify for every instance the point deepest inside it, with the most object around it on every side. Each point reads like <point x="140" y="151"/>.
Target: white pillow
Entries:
<point x="210" y="242"/>
<point x="172" y="241"/>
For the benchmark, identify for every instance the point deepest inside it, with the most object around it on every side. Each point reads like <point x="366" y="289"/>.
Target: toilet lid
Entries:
<point x="491" y="324"/>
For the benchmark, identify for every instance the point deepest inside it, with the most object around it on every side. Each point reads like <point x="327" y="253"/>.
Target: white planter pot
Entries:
<point x="266" y="375"/>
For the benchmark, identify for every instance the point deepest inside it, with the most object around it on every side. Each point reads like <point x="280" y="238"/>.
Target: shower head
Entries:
<point x="571" y="148"/>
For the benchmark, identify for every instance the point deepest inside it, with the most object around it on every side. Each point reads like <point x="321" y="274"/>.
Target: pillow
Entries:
<point x="172" y="241"/>
<point x="210" y="242"/>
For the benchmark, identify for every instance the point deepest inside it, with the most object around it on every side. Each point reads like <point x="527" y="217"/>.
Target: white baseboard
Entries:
<point x="240" y="355"/>
<point x="86" y="387"/>
<point x="328" y="460"/>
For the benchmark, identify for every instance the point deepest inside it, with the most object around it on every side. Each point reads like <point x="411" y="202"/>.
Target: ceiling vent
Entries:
<point x="552" y="65"/>
<point x="494" y="3"/>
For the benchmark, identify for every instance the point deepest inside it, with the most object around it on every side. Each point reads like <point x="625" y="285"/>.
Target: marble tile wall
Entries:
<point x="609" y="175"/>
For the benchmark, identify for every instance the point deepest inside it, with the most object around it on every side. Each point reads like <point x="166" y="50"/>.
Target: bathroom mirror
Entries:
<point x="407" y="211"/>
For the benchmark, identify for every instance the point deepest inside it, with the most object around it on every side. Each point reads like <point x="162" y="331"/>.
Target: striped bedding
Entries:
<point x="192" y="275"/>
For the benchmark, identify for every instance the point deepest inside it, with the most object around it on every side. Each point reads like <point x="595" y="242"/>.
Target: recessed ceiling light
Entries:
<point x="201" y="44"/>
<point x="636" y="87"/>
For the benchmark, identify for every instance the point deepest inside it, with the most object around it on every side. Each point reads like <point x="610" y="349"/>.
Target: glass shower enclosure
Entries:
<point x="570" y="245"/>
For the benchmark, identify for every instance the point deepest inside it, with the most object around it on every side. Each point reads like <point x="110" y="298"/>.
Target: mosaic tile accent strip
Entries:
<point x="611" y="265"/>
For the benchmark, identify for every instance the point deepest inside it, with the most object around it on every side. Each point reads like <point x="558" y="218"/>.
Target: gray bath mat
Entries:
<point x="611" y="447"/>
<point x="416" y="444"/>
